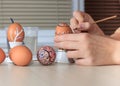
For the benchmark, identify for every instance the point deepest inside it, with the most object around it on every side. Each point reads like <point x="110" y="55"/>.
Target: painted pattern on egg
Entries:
<point x="46" y="55"/>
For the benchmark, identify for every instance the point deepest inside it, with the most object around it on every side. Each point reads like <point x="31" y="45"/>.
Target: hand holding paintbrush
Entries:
<point x="82" y="22"/>
<point x="88" y="48"/>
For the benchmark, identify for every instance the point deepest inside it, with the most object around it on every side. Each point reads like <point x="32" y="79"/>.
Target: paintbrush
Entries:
<point x="105" y="19"/>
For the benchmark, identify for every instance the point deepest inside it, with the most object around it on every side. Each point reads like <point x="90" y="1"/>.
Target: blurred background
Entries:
<point x="41" y="14"/>
<point x="46" y="14"/>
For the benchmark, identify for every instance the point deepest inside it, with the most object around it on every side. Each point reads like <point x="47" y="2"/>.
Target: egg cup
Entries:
<point x="13" y="44"/>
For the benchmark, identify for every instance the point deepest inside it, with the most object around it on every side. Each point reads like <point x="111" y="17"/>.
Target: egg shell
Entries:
<point x="63" y="28"/>
<point x="46" y="55"/>
<point x="15" y="33"/>
<point x="2" y="55"/>
<point x="20" y="55"/>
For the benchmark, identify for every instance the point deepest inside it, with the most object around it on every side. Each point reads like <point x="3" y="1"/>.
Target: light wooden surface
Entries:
<point x="58" y="75"/>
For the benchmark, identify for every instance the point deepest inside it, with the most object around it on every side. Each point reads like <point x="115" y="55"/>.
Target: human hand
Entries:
<point x="83" y="22"/>
<point x="116" y="34"/>
<point x="89" y="49"/>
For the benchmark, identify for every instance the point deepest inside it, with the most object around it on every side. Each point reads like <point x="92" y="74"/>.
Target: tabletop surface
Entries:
<point x="58" y="75"/>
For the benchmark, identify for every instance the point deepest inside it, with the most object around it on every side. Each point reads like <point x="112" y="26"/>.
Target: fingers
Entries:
<point x="67" y="45"/>
<point x="82" y="17"/>
<point x="73" y="23"/>
<point x="78" y="16"/>
<point x="65" y="37"/>
<point x="76" y="54"/>
<point x="84" y="23"/>
<point x="85" y="61"/>
<point x="117" y="30"/>
<point x="116" y="34"/>
<point x="77" y="23"/>
<point x="72" y="37"/>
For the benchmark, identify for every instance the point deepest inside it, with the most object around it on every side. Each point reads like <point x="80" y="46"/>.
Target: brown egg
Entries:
<point x="63" y="28"/>
<point x="2" y="55"/>
<point x="15" y="33"/>
<point x="20" y="55"/>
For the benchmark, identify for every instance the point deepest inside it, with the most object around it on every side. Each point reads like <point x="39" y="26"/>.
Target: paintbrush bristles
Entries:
<point x="101" y="20"/>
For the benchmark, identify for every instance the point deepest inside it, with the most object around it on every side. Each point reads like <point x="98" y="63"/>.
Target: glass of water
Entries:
<point x="31" y="39"/>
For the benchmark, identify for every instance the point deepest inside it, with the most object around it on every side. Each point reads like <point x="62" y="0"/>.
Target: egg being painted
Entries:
<point x="63" y="28"/>
<point x="20" y="55"/>
<point x="2" y="55"/>
<point x="15" y="33"/>
<point x="46" y="55"/>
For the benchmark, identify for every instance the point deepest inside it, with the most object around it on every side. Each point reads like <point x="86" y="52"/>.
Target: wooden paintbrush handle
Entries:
<point x="101" y="20"/>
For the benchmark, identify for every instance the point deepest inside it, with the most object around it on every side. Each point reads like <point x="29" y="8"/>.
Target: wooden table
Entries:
<point x="58" y="75"/>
